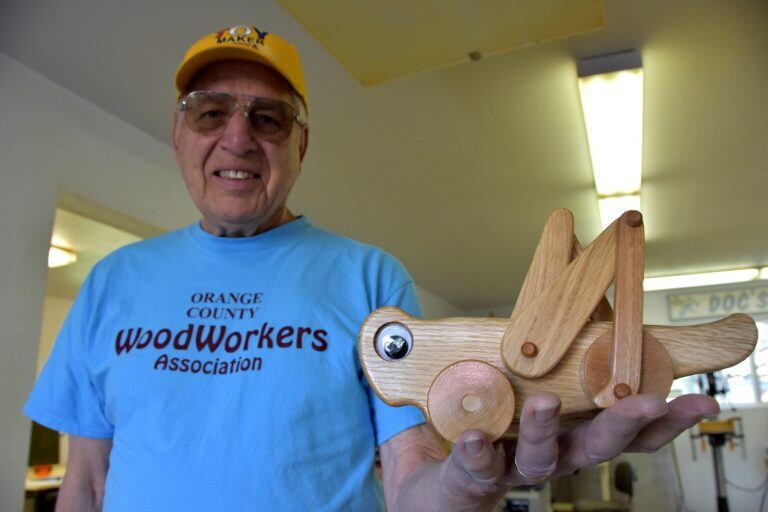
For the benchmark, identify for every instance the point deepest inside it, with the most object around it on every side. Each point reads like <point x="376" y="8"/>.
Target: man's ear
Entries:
<point x="304" y="143"/>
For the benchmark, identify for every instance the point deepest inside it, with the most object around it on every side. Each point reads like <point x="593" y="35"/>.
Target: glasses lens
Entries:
<point x="271" y="119"/>
<point x="205" y="112"/>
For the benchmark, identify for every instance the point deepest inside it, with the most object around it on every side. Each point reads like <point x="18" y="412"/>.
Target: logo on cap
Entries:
<point x="241" y="34"/>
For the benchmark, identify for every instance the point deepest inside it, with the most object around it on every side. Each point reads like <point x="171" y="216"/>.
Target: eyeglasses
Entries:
<point x="208" y="112"/>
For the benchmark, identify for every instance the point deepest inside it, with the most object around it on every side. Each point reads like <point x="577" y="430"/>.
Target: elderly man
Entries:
<point x="215" y="367"/>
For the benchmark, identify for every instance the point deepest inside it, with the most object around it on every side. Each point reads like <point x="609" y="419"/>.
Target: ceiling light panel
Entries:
<point x="703" y="279"/>
<point x="613" y="113"/>
<point x="60" y="257"/>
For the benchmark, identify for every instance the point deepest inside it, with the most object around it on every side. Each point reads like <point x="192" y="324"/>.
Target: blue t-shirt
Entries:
<point x="225" y="370"/>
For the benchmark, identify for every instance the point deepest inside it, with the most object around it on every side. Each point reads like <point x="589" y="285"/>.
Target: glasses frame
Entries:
<point x="296" y="118"/>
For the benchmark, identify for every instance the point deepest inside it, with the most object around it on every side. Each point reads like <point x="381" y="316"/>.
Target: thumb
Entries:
<point x="475" y="457"/>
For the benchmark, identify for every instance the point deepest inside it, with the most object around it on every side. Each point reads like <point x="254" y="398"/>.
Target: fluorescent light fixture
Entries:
<point x="764" y="273"/>
<point x="703" y="279"/>
<point x="611" y="88"/>
<point x="611" y="208"/>
<point x="613" y="112"/>
<point x="59" y="257"/>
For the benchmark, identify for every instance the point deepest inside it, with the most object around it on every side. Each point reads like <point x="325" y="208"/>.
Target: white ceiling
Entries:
<point x="456" y="170"/>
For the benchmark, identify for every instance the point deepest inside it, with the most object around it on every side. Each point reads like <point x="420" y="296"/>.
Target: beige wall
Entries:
<point x="433" y="306"/>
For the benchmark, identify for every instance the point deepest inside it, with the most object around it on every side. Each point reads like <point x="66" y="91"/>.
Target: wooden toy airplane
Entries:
<point x="563" y="337"/>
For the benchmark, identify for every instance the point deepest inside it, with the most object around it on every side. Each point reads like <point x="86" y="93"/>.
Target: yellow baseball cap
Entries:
<point x="243" y="42"/>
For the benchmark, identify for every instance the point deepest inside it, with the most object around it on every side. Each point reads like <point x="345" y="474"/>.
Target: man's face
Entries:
<point x="232" y="206"/>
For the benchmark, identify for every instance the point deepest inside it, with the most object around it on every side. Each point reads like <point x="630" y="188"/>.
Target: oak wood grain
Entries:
<point x="554" y="318"/>
<point x="656" y="373"/>
<point x="440" y="343"/>
<point x="471" y="395"/>
<point x="552" y="256"/>
<point x="603" y="312"/>
<point x="627" y="351"/>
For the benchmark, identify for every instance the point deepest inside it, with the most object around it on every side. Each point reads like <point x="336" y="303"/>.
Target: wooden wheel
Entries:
<point x="471" y="395"/>
<point x="656" y="374"/>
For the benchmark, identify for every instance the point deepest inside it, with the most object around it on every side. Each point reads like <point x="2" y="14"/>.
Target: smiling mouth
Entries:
<point x="234" y="174"/>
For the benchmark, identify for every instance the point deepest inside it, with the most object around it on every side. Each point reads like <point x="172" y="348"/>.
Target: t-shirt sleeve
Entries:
<point x="389" y="421"/>
<point x="64" y="397"/>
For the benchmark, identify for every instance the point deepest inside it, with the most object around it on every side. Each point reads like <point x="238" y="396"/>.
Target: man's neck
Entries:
<point x="228" y="230"/>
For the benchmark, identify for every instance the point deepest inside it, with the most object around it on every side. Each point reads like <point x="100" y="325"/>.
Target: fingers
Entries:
<point x="476" y="468"/>
<point x="684" y="412"/>
<point x="475" y="455"/>
<point x="473" y="471"/>
<point x="610" y="432"/>
<point x="536" y="453"/>
<point x="637" y="423"/>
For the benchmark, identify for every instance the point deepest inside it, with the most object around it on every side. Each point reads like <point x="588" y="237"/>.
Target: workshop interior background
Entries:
<point x="442" y="132"/>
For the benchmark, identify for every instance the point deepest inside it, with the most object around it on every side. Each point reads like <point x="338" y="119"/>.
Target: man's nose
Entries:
<point x="238" y="137"/>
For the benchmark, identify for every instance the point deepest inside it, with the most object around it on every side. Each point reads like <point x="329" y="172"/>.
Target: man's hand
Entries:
<point x="476" y="474"/>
